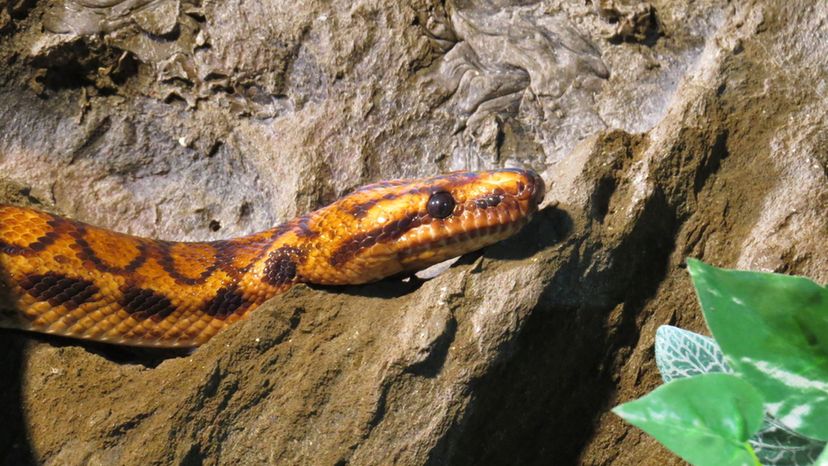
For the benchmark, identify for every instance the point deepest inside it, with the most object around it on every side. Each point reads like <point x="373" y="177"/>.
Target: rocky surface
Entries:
<point x="664" y="130"/>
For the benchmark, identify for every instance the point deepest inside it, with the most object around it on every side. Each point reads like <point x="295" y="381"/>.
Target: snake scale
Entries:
<point x="68" y="278"/>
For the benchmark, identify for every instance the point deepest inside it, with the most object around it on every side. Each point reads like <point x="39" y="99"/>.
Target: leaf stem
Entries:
<point x="753" y="454"/>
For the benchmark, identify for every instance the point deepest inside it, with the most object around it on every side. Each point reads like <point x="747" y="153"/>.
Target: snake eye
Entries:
<point x="440" y="204"/>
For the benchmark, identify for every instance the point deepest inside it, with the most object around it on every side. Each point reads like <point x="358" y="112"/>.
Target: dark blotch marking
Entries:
<point x="388" y="232"/>
<point x="303" y="229"/>
<point x="226" y="250"/>
<point x="146" y="304"/>
<point x="57" y="224"/>
<point x="280" y="267"/>
<point x="361" y="209"/>
<point x="165" y="259"/>
<point x="59" y="290"/>
<point x="87" y="253"/>
<point x="227" y="301"/>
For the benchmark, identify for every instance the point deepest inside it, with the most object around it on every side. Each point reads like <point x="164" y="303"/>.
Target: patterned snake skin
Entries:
<point x="64" y="277"/>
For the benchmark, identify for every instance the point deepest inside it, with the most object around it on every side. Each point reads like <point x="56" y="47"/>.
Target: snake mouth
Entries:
<point x="537" y="188"/>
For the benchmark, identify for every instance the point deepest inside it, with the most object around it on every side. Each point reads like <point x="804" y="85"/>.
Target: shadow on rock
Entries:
<point x="119" y="354"/>
<point x="388" y="288"/>
<point x="548" y="227"/>
<point x="560" y="377"/>
<point x="14" y="442"/>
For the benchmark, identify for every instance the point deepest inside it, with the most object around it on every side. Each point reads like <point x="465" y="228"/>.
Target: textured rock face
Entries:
<point x="664" y="130"/>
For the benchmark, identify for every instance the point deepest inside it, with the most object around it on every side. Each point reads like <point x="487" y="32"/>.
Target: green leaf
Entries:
<point x="823" y="459"/>
<point x="680" y="353"/>
<point x="774" y="331"/>
<point x="706" y="419"/>
<point x="776" y="445"/>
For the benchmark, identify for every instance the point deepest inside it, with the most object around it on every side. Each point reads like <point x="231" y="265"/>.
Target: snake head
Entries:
<point x="391" y="227"/>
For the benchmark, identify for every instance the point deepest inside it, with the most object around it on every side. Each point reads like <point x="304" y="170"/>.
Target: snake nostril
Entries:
<point x="539" y="188"/>
<point x="531" y="187"/>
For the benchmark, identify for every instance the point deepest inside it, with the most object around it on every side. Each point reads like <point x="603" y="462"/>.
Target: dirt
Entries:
<point x="664" y="130"/>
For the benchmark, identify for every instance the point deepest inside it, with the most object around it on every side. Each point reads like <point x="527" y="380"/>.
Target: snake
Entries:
<point x="64" y="277"/>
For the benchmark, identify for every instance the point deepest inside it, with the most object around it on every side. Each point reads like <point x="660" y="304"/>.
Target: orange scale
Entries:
<point x="237" y="253"/>
<point x="96" y="316"/>
<point x="173" y="330"/>
<point x="107" y="324"/>
<point x="190" y="332"/>
<point x="93" y="332"/>
<point x="25" y="300"/>
<point x="80" y="327"/>
<point x="125" y="326"/>
<point x="113" y="249"/>
<point x="58" y="327"/>
<point x="69" y="319"/>
<point x="45" y="319"/>
<point x="165" y="325"/>
<point x="192" y="260"/>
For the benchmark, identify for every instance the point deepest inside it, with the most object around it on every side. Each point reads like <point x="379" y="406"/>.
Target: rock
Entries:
<point x="664" y="130"/>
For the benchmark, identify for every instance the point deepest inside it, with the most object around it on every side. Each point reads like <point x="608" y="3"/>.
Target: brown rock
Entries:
<point x="704" y="137"/>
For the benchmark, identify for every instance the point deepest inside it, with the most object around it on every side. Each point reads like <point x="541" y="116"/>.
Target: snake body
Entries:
<point x="65" y="277"/>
